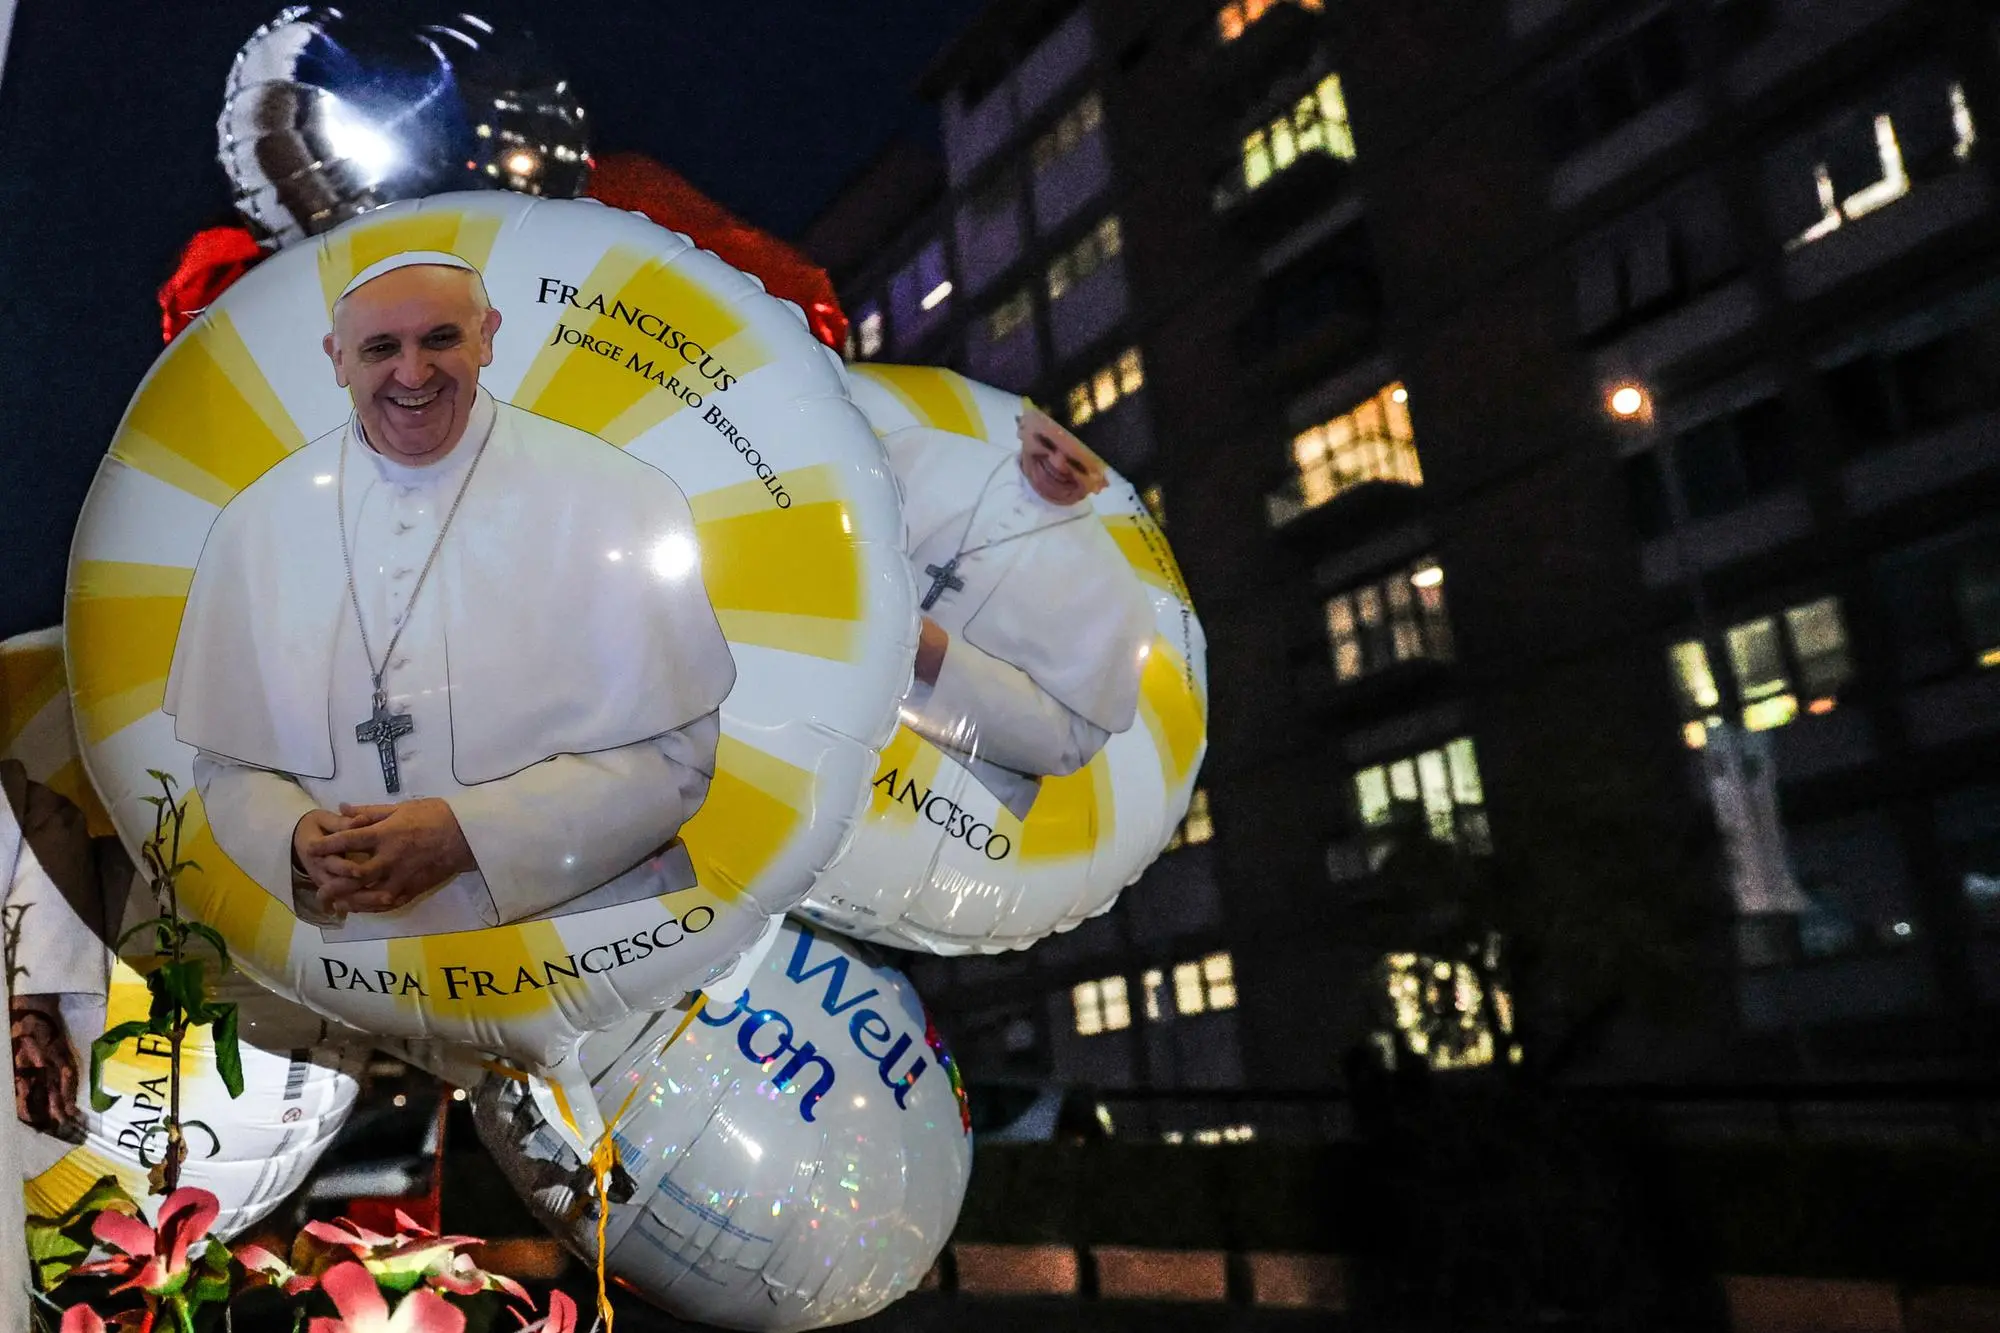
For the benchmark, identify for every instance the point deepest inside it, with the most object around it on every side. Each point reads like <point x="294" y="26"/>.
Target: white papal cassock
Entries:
<point x="562" y="666"/>
<point x="1049" y="634"/>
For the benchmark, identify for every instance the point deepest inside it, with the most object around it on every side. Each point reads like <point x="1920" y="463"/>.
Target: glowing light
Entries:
<point x="1902" y="928"/>
<point x="674" y="557"/>
<point x="483" y="131"/>
<point x="1821" y="706"/>
<point x="521" y="163"/>
<point x="400" y="1100"/>
<point x="614" y="555"/>
<point x="1695" y="734"/>
<point x="1627" y="400"/>
<point x="458" y="1094"/>
<point x="937" y="294"/>
<point x="374" y="153"/>
<point x="1399" y="394"/>
<point x="1991" y="657"/>
<point x="1428" y="577"/>
<point x="323" y="479"/>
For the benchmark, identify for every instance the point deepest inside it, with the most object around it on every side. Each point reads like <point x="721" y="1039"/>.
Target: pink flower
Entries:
<point x="363" y="1310"/>
<point x="154" y="1258"/>
<point x="260" y="1263"/>
<point x="561" y="1317"/>
<point x="413" y="1255"/>
<point x="83" y="1319"/>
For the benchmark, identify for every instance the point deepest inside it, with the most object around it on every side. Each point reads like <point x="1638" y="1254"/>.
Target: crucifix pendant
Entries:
<point x="382" y="731"/>
<point x="942" y="577"/>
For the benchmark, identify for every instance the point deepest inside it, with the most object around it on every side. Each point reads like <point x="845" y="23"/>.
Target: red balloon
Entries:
<point x="210" y="262"/>
<point x="634" y="181"/>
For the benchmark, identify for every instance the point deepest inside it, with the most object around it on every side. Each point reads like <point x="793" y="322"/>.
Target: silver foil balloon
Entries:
<point x="796" y="1159"/>
<point x="325" y="117"/>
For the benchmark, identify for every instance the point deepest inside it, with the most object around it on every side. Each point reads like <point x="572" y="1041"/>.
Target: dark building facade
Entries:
<point x="1577" y="423"/>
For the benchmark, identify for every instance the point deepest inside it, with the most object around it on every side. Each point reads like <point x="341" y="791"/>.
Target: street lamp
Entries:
<point x="1627" y="401"/>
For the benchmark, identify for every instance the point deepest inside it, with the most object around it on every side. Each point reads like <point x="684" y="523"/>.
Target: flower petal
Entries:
<point x="129" y="1234"/>
<point x="81" y="1319"/>
<point x="185" y="1219"/>
<point x="424" y="1311"/>
<point x="354" y="1293"/>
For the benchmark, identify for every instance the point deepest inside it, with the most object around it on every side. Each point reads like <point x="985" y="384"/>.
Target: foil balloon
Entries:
<point x="299" y="1072"/>
<point x="326" y="116"/>
<point x="628" y="645"/>
<point x="1058" y="711"/>
<point x="795" y="1157"/>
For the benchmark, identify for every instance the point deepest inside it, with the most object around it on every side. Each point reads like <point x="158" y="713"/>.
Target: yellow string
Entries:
<point x="604" y="1157"/>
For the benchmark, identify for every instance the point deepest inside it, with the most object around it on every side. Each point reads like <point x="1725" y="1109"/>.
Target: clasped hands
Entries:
<point x="376" y="858"/>
<point x="932" y="644"/>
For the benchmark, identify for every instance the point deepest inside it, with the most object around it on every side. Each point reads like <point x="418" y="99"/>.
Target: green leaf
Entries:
<point x="183" y="985"/>
<point x="228" y="1054"/>
<point x="53" y="1253"/>
<point x="103" y="1048"/>
<point x="213" y="936"/>
<point x="153" y="923"/>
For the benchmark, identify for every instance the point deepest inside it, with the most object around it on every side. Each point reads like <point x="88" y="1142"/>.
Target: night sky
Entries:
<point x="107" y="123"/>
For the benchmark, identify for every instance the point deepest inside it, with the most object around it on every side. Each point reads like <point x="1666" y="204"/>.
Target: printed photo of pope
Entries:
<point x="451" y="665"/>
<point x="1035" y="629"/>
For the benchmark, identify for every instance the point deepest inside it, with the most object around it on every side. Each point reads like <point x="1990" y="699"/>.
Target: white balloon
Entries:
<point x="257" y="1149"/>
<point x="797" y="1157"/>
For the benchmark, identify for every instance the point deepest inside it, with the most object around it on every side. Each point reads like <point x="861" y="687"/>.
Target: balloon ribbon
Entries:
<point x="604" y="1157"/>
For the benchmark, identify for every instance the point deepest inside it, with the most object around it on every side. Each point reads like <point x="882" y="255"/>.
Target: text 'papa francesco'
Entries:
<point x="767" y="1035"/>
<point x="465" y="981"/>
<point x="947" y="814"/>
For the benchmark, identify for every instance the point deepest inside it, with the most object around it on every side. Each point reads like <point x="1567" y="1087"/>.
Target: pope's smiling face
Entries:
<point x="1059" y="467"/>
<point x="408" y="348"/>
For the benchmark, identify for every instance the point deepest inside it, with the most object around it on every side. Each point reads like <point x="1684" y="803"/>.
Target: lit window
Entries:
<point x="1218" y="974"/>
<point x="1441" y="788"/>
<point x="1373" y="442"/>
<point x="1101" y="392"/>
<point x="1977" y="590"/>
<point x="1098" y="246"/>
<point x="1198" y="827"/>
<point x="1774" y="661"/>
<point x="1444" y="1014"/>
<point x="868" y="328"/>
<point x="1379" y="625"/>
<point x="1316" y="123"/>
<point x="1233" y="19"/>
<point x="1013" y="313"/>
<point x="1204" y="985"/>
<point x="1150" y="986"/>
<point x="1843" y="200"/>
<point x="1101" y="1006"/>
<point x="1067" y="133"/>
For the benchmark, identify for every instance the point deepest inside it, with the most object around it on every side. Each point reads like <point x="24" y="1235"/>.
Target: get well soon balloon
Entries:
<point x="299" y="1076"/>
<point x="797" y="1157"/>
<point x="516" y="591"/>
<point x="1050" y="739"/>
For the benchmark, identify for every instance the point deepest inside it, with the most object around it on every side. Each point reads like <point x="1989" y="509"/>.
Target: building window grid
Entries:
<point x="1893" y="182"/>
<point x="1099" y="246"/>
<point x="1445" y="1014"/>
<point x="1381" y="625"/>
<point x="1773" y="661"/>
<point x="1235" y="18"/>
<point x="1316" y="123"/>
<point x="1197" y="827"/>
<point x="1103" y="390"/>
<point x="1440" y="787"/>
<point x="1371" y="442"/>
<point x="1009" y="316"/>
<point x="1200" y="986"/>
<point x="1062" y="138"/>
<point x="1101" y="1006"/>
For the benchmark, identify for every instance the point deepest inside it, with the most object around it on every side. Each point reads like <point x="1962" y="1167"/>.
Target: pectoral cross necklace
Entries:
<point x="383" y="729"/>
<point x="946" y="575"/>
